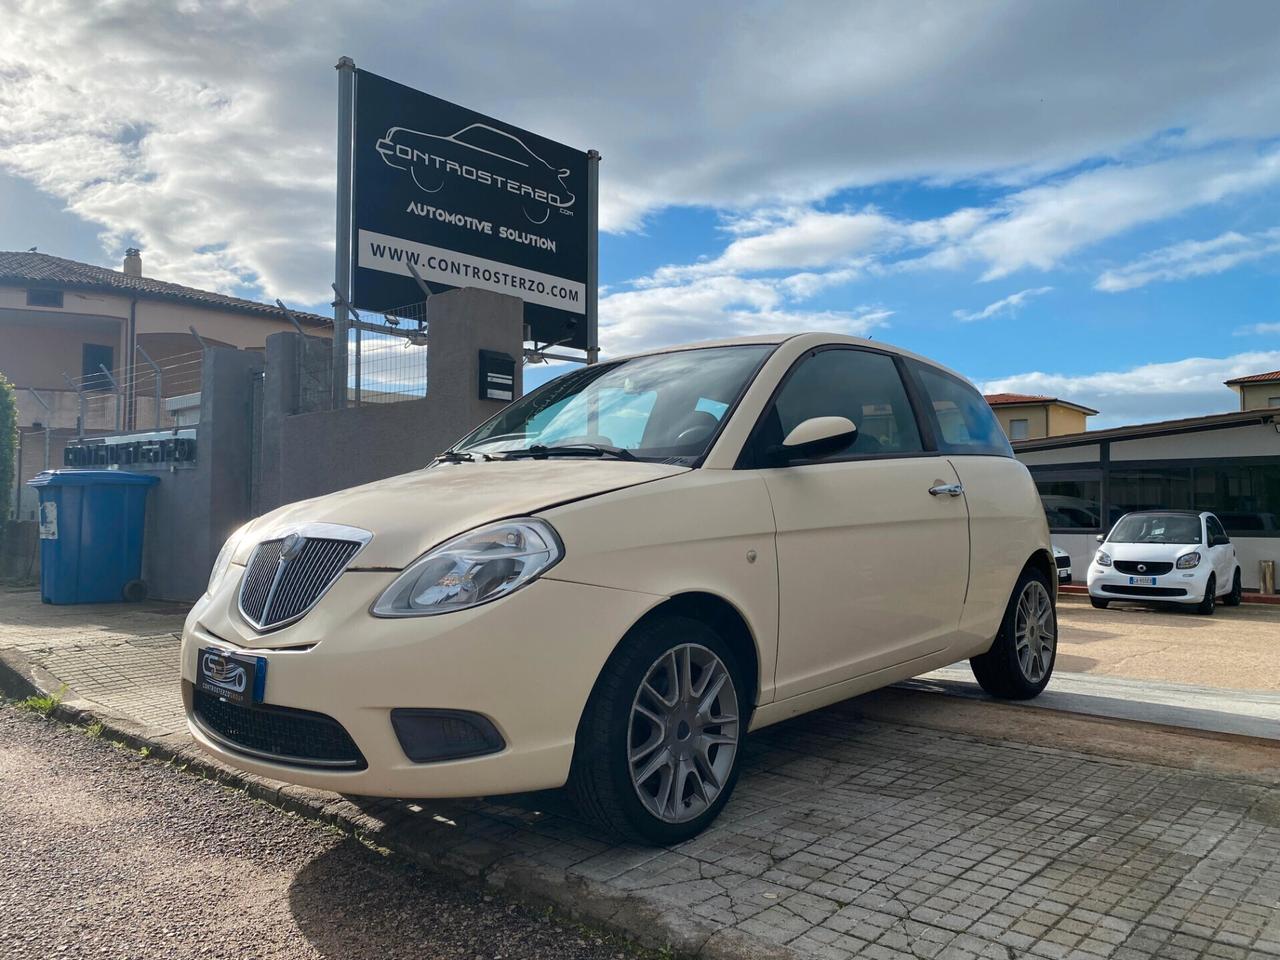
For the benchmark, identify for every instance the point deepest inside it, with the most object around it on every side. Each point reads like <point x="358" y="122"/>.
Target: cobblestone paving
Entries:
<point x="847" y="837"/>
<point x="122" y="656"/>
<point x="854" y="838"/>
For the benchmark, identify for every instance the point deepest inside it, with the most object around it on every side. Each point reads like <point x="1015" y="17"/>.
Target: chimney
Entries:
<point x="133" y="262"/>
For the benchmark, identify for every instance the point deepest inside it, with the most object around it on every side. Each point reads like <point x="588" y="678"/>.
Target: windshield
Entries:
<point x="666" y="406"/>
<point x="1156" y="528"/>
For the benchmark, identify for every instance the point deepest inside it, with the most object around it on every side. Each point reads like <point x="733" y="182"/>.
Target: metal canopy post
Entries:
<point x="48" y="409"/>
<point x="346" y="68"/>
<point x="593" y="254"/>
<point x="155" y="368"/>
<point x="119" y="397"/>
<point x="79" y="405"/>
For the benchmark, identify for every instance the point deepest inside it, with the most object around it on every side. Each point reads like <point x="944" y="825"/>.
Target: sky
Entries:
<point x="1078" y="199"/>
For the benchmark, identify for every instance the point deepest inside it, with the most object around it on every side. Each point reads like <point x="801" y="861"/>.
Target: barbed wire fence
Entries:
<point x="144" y="394"/>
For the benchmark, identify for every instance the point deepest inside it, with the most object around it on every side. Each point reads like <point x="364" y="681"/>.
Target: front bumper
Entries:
<point x="1177" y="586"/>
<point x="527" y="663"/>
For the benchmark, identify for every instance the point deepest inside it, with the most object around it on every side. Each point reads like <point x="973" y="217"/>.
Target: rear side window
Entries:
<point x="863" y="386"/>
<point x="965" y="423"/>
<point x="1217" y="536"/>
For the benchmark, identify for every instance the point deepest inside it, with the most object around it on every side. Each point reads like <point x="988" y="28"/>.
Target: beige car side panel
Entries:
<point x="707" y="530"/>
<point x="872" y="567"/>
<point x="1007" y="526"/>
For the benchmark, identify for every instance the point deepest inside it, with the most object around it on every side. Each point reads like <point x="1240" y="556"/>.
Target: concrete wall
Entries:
<point x="1035" y="415"/>
<point x="192" y="510"/>
<point x="1255" y="395"/>
<point x="1064" y="420"/>
<point x="311" y="453"/>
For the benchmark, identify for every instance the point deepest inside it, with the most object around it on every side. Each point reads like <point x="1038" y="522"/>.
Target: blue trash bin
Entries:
<point x="91" y="524"/>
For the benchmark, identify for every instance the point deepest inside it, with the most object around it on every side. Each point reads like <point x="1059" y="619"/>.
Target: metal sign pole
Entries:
<point x="346" y="68"/>
<point x="593" y="253"/>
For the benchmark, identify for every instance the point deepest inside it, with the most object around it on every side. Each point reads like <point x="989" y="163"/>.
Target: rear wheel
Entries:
<point x="1210" y="601"/>
<point x="1232" y="599"/>
<point x="1020" y="661"/>
<point x="1100" y="604"/>
<point x="657" y="753"/>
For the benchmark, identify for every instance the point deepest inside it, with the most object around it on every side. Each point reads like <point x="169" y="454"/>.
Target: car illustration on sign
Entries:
<point x="484" y="155"/>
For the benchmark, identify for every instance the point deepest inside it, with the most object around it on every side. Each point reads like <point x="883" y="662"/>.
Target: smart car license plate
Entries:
<point x="236" y="679"/>
<point x="1142" y="581"/>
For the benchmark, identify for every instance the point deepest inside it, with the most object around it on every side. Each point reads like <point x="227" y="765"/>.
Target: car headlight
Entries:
<point x="1103" y="558"/>
<point x="1188" y="560"/>
<point x="474" y="568"/>
<point x="223" y="561"/>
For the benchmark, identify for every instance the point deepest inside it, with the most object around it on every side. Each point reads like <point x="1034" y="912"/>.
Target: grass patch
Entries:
<point x="44" y="704"/>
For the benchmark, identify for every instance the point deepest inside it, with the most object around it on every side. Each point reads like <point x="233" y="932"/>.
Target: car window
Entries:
<point x="1217" y="535"/>
<point x="1156" y="528"/>
<point x="964" y="420"/>
<point x="864" y="387"/>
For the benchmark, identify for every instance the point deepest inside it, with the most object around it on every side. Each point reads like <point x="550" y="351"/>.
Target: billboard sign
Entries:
<point x="469" y="201"/>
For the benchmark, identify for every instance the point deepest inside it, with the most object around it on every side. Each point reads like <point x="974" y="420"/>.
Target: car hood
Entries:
<point x="1159" y="552"/>
<point x="413" y="512"/>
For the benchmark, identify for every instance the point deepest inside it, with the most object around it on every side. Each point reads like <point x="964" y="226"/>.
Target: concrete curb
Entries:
<point x="577" y="898"/>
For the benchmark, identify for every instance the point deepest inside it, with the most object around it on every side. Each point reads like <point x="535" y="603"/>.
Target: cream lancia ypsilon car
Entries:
<point x="612" y="581"/>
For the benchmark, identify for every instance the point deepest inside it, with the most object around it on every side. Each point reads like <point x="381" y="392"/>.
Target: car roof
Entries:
<point x="1168" y="513"/>
<point x="809" y="340"/>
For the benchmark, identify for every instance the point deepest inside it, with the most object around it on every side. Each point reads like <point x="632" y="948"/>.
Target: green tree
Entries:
<point x="8" y="445"/>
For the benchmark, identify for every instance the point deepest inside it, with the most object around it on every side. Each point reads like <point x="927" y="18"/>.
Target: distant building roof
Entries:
<point x="49" y="271"/>
<point x="1274" y="375"/>
<point x="1215" y="421"/>
<point x="1021" y="399"/>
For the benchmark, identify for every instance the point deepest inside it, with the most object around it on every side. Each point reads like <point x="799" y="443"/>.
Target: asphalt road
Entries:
<point x="105" y="854"/>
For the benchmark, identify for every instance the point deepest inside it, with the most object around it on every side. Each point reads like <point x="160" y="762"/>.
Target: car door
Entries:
<point x="1006" y="519"/>
<point x="872" y="565"/>
<point x="1221" y="552"/>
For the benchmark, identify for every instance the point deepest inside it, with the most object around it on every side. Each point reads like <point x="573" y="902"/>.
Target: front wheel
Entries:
<point x="657" y="754"/>
<point x="1232" y="599"/>
<point x="1020" y="661"/>
<point x="1210" y="601"/>
<point x="1099" y="604"/>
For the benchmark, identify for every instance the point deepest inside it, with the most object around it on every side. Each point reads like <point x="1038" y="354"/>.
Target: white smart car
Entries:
<point x="617" y="577"/>
<point x="1166" y="556"/>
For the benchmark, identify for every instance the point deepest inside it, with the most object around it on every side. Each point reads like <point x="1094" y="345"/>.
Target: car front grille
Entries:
<point x="1128" y="591"/>
<point x="297" y="738"/>
<point x="1150" y="568"/>
<point x="286" y="577"/>
<point x="1062" y="562"/>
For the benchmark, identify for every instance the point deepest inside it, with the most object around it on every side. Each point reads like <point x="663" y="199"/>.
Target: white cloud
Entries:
<point x="711" y="308"/>
<point x="1258" y="329"/>
<point x="1009" y="305"/>
<point x="1153" y="391"/>
<point x="205" y="131"/>
<point x="1191" y="258"/>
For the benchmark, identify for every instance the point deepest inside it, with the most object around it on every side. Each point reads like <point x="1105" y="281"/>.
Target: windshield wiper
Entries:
<point x="541" y="451"/>
<point x="459" y="456"/>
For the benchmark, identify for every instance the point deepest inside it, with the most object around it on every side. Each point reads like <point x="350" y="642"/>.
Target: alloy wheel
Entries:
<point x="1034" y="631"/>
<point x="684" y="732"/>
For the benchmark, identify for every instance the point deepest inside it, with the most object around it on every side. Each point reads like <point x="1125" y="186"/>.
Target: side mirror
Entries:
<point x="813" y="438"/>
<point x="1101" y="538"/>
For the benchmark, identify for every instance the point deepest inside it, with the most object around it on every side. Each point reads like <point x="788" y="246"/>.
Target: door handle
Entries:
<point x="947" y="490"/>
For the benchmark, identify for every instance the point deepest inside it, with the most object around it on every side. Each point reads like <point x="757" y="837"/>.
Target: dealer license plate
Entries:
<point x="234" y="678"/>
<point x="1142" y="581"/>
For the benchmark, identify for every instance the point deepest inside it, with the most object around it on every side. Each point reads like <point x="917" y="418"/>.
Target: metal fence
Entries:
<point x="149" y="393"/>
<point x="387" y="360"/>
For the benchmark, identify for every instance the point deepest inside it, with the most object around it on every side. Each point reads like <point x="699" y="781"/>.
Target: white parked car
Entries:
<point x="614" y="579"/>
<point x="1166" y="556"/>
<point x="1062" y="560"/>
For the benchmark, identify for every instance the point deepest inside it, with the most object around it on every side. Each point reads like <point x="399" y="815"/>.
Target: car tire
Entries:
<point x="1100" y="604"/>
<point x="641" y="696"/>
<point x="1232" y="599"/>
<point x="1210" y="601"/>
<point x="1020" y="661"/>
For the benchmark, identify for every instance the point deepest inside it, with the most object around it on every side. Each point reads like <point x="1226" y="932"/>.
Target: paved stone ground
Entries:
<point x="121" y="656"/>
<point x="849" y="837"/>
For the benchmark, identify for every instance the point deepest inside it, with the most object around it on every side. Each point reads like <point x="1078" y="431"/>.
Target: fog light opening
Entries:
<point x="428" y="736"/>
